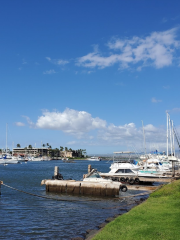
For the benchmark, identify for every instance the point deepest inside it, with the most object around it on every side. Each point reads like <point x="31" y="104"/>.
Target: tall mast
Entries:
<point x="167" y="132"/>
<point x="144" y="138"/>
<point x="173" y="138"/>
<point x="170" y="128"/>
<point x="6" y="137"/>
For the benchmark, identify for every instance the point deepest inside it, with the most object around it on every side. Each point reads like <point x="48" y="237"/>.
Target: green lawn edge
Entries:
<point x="156" y="218"/>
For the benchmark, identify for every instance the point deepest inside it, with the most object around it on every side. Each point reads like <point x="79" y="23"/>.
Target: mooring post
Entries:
<point x="89" y="168"/>
<point x="0" y="186"/>
<point x="56" y="171"/>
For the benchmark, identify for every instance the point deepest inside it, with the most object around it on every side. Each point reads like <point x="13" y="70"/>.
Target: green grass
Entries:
<point x="156" y="218"/>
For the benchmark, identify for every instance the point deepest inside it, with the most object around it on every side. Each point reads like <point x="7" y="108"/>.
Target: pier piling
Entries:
<point x="1" y="182"/>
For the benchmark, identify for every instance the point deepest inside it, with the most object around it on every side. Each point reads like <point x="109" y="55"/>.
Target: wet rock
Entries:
<point x="142" y="199"/>
<point x="89" y="230"/>
<point x="102" y="225"/>
<point x="91" y="233"/>
<point x="77" y="238"/>
<point x="110" y="219"/>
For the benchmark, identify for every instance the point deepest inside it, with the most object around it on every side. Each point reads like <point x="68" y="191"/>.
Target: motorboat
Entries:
<point x="130" y="169"/>
<point x="37" y="159"/>
<point x="8" y="159"/>
<point x="94" y="177"/>
<point x="67" y="160"/>
<point x="94" y="159"/>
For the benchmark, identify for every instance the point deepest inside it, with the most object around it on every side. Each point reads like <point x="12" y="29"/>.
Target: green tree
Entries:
<point x="43" y="145"/>
<point x="18" y="145"/>
<point x="61" y="149"/>
<point x="56" y="152"/>
<point x="84" y="152"/>
<point x="30" y="146"/>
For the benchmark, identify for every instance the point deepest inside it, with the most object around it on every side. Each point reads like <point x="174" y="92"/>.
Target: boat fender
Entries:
<point x="122" y="179"/>
<point x="127" y="179"/>
<point x="136" y="180"/>
<point x="123" y="188"/>
<point x="131" y="181"/>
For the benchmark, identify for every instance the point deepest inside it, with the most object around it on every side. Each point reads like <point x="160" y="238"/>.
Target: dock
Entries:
<point x="82" y="188"/>
<point x="91" y="188"/>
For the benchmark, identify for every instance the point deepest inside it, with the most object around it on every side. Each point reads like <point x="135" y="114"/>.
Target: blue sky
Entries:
<point x="84" y="74"/>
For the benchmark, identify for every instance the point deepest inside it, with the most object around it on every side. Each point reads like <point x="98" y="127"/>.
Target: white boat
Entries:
<point x="94" y="177"/>
<point x="94" y="159"/>
<point x="44" y="158"/>
<point x="2" y="161"/>
<point x="128" y="169"/>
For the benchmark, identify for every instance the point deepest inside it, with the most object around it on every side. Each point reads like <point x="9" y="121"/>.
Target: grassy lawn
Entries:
<point x="156" y="218"/>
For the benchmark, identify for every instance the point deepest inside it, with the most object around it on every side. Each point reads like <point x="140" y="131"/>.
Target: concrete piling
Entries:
<point x="1" y="182"/>
<point x="89" y="168"/>
<point x="56" y="171"/>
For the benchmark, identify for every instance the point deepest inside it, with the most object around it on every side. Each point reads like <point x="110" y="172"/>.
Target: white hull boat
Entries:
<point x="94" y="159"/>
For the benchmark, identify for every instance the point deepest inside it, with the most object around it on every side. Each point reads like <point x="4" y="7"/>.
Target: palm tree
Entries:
<point x="66" y="149"/>
<point x="61" y="149"/>
<point x="43" y="145"/>
<point x="18" y="145"/>
<point x="84" y="151"/>
<point x="30" y="146"/>
<point x="47" y="144"/>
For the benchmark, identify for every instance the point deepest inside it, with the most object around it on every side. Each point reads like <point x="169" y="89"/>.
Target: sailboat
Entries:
<point x="7" y="158"/>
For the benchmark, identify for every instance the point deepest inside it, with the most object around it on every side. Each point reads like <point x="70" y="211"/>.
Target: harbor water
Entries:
<point x="26" y="216"/>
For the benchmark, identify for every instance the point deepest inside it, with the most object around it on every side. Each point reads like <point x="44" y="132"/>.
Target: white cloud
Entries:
<point x="24" y="61"/>
<point x="70" y="121"/>
<point x="49" y="71"/>
<point x="154" y="100"/>
<point x="175" y="110"/>
<point x="129" y="136"/>
<point x="155" y="50"/>
<point x="31" y="124"/>
<point x="96" y="131"/>
<point x="57" y="61"/>
<point x="19" y="124"/>
<point x="166" y="87"/>
<point x="72" y="142"/>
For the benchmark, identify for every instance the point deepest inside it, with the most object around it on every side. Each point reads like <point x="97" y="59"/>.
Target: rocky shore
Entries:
<point x="90" y="233"/>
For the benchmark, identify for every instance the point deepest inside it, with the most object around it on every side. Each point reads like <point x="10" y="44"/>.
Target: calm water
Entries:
<point x="24" y="216"/>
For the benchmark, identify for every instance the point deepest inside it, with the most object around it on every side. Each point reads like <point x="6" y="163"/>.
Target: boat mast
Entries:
<point x="167" y="132"/>
<point x="170" y="128"/>
<point x="173" y="138"/>
<point x="6" y="137"/>
<point x="144" y="138"/>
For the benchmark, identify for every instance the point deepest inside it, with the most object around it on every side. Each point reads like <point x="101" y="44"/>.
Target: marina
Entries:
<point x="60" y="216"/>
